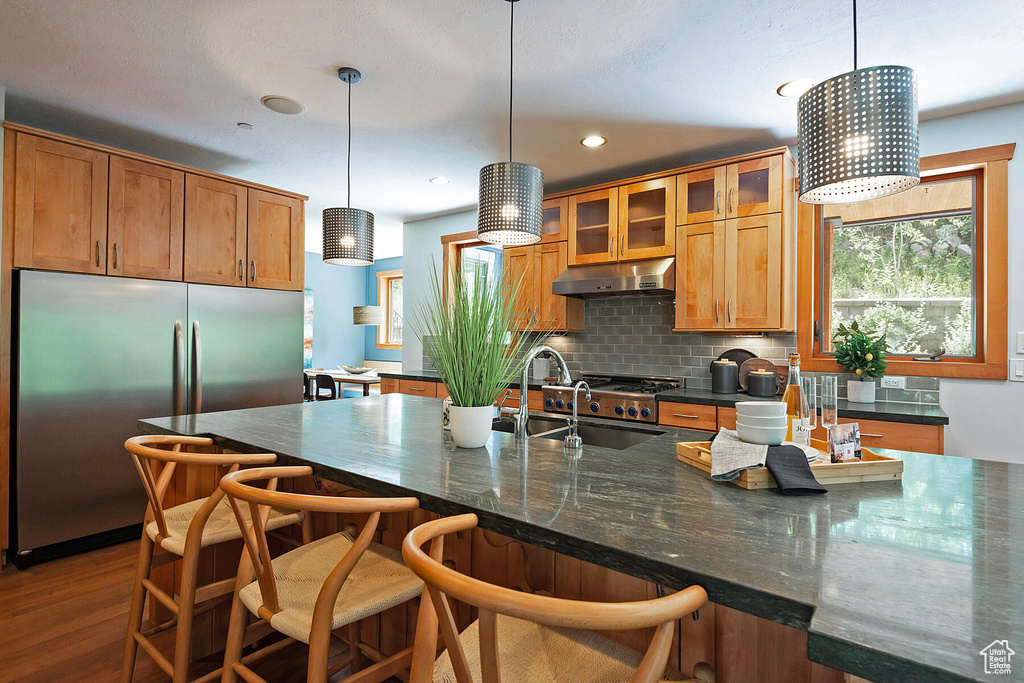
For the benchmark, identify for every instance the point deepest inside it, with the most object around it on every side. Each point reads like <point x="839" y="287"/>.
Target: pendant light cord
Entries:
<point x="854" y="35"/>
<point x="348" y="163"/>
<point x="511" y="62"/>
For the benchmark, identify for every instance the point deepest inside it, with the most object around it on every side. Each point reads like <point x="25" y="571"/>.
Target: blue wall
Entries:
<point x="336" y="289"/>
<point x="371" y="351"/>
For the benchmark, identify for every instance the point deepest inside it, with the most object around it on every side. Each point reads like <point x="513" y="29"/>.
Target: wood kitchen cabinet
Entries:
<point x="539" y="265"/>
<point x="413" y="387"/>
<point x="730" y="275"/>
<point x="215" y="231"/>
<point x="746" y="188"/>
<point x="145" y="216"/>
<point x="276" y="251"/>
<point x="555" y="220"/>
<point x="593" y="227"/>
<point x="646" y="221"/>
<point x="60" y="206"/>
<point x="388" y="385"/>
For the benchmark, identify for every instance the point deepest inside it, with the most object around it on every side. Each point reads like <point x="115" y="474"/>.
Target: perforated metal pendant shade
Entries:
<point x="511" y="203"/>
<point x="858" y="137"/>
<point x="348" y="237"/>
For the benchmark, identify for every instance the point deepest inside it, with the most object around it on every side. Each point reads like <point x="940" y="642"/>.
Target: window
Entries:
<point x="465" y="252"/>
<point x="926" y="267"/>
<point x="389" y="298"/>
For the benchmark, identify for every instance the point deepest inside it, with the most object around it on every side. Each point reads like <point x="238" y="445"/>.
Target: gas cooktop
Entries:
<point x="624" y="397"/>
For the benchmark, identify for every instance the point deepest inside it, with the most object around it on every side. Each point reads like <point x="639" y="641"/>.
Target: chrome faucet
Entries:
<point x="572" y="441"/>
<point x="564" y="379"/>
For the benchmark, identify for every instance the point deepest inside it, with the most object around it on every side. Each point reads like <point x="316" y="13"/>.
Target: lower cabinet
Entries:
<point x="688" y="416"/>
<point x="388" y="385"/>
<point x="417" y="388"/>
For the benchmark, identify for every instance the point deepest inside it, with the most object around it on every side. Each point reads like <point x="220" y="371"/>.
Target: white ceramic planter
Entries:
<point x="471" y="427"/>
<point x="860" y="391"/>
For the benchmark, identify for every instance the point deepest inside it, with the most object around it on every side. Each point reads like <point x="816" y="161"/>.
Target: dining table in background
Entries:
<point x="343" y="378"/>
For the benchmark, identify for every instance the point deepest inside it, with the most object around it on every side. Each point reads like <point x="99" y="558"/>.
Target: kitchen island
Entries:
<point x="891" y="582"/>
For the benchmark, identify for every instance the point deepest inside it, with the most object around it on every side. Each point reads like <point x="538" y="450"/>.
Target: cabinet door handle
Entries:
<point x="718" y="202"/>
<point x="252" y="264"/>
<point x="241" y="270"/>
<point x="611" y="245"/>
<point x="99" y="253"/>
<point x="622" y="245"/>
<point x="730" y="199"/>
<point x="416" y="389"/>
<point x="728" y="311"/>
<point x="115" y="255"/>
<point x="529" y="315"/>
<point x="690" y="417"/>
<point x="716" y="310"/>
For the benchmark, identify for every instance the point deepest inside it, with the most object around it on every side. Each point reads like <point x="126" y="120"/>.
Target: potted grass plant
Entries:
<point x="862" y="353"/>
<point x="468" y="336"/>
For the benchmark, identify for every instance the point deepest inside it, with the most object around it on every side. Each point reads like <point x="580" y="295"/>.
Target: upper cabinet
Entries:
<point x="145" y="220"/>
<point x="745" y="188"/>
<point x="646" y="220"/>
<point x="85" y="208"/>
<point x="538" y="306"/>
<point x="593" y="227"/>
<point x="60" y="206"/>
<point x="215" y="231"/>
<point x="555" y="222"/>
<point x="276" y="250"/>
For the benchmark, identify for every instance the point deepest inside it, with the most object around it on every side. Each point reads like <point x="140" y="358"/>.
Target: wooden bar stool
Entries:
<point x="181" y="532"/>
<point x="539" y="638"/>
<point x="307" y="593"/>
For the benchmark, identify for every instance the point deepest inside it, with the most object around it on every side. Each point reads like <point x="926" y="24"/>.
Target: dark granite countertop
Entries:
<point x="433" y="376"/>
<point x="885" y="411"/>
<point x="893" y="582"/>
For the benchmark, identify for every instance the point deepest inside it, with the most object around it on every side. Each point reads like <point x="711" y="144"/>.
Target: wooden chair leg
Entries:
<point x="186" y="608"/>
<point x="137" y="607"/>
<point x="307" y="529"/>
<point x="353" y="646"/>
<point x="236" y="639"/>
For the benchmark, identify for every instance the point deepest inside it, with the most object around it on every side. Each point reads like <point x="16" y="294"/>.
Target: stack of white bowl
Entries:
<point x="761" y="422"/>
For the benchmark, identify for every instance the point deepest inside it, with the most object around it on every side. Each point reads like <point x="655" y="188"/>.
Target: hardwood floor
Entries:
<point x="65" y="620"/>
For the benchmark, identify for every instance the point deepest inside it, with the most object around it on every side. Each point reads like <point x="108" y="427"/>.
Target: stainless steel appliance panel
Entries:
<point x="245" y="347"/>
<point x="95" y="354"/>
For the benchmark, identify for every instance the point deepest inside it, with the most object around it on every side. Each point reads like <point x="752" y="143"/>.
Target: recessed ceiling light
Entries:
<point x="283" y="105"/>
<point x="593" y="141"/>
<point x="439" y="180"/>
<point x="795" y="88"/>
<point x="244" y="126"/>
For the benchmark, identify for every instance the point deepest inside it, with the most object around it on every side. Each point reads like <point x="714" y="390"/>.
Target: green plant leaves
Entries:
<point x="855" y="350"/>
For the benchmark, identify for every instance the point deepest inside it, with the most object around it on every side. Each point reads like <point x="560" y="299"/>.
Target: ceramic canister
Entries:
<point x="725" y="377"/>
<point x="761" y="383"/>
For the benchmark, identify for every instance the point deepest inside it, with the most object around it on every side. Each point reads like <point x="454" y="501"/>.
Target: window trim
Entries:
<point x="990" y="361"/>
<point x="384" y="278"/>
<point x="451" y="246"/>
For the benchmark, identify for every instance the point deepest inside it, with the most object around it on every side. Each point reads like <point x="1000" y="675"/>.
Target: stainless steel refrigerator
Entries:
<point x="94" y="355"/>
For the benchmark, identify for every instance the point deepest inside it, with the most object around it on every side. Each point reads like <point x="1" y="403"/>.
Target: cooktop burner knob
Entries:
<point x="569" y="405"/>
<point x="632" y="411"/>
<point x="619" y="410"/>
<point x="559" y="403"/>
<point x="595" y="406"/>
<point x="548" y="403"/>
<point x="646" y="412"/>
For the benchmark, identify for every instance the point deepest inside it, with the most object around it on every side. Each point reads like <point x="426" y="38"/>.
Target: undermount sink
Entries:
<point x="592" y="435"/>
<point x="605" y="437"/>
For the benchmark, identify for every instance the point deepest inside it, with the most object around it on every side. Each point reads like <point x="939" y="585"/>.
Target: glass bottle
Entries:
<point x="797" y="410"/>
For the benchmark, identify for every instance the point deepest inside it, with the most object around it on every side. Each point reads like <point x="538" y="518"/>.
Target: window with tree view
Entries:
<point x="389" y="298"/>
<point x="905" y="266"/>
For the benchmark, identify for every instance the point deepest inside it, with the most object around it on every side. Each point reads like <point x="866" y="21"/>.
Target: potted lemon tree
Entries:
<point x="862" y="353"/>
<point x="469" y="337"/>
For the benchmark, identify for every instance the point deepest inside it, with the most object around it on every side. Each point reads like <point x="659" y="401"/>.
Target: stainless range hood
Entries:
<point x="658" y="276"/>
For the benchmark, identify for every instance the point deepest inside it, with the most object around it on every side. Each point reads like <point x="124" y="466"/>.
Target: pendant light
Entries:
<point x="857" y="136"/>
<point x="367" y="315"/>
<point x="511" y="192"/>
<point x="348" y="232"/>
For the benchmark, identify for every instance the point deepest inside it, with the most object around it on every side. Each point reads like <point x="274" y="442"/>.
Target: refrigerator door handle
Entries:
<point x="179" y="368"/>
<point x="197" y="368"/>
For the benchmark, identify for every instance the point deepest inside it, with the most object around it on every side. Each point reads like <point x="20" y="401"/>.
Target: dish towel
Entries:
<point x="789" y="466"/>
<point x="730" y="456"/>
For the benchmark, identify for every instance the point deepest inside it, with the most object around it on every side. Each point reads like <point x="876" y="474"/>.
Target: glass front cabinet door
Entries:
<point x="593" y="229"/>
<point x="754" y="187"/>
<point x="701" y="196"/>
<point x="646" y="220"/>
<point x="554" y="225"/>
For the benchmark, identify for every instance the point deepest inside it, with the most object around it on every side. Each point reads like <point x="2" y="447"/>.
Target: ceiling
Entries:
<point x="667" y="81"/>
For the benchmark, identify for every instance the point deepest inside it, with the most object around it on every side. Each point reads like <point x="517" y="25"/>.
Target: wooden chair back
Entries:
<point x="157" y="456"/>
<point x="442" y="583"/>
<point x="238" y="487"/>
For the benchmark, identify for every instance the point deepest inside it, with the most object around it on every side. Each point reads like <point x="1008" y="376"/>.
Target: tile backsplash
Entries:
<point x="633" y="335"/>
